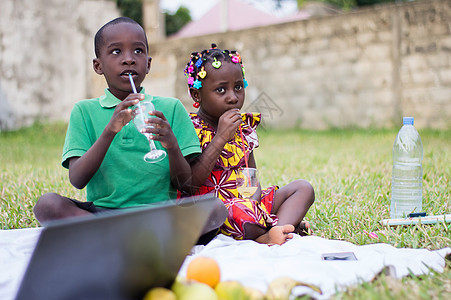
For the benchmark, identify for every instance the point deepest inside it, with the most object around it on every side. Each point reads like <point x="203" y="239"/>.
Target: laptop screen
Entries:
<point x="116" y="255"/>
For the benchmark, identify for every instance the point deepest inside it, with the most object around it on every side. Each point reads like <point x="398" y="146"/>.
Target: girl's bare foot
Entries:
<point x="276" y="235"/>
<point x="304" y="229"/>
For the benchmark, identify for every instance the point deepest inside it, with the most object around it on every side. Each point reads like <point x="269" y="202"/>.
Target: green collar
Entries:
<point x="109" y="100"/>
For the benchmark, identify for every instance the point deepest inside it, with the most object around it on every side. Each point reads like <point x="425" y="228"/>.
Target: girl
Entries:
<point x="216" y="84"/>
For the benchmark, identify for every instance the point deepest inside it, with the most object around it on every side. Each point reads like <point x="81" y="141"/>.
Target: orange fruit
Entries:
<point x="204" y="269"/>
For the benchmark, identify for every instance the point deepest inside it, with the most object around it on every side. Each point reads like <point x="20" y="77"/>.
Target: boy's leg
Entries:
<point x="292" y="202"/>
<point x="52" y="206"/>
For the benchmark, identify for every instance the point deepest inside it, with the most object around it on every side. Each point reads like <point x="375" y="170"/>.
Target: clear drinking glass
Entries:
<point x="140" y="114"/>
<point x="247" y="181"/>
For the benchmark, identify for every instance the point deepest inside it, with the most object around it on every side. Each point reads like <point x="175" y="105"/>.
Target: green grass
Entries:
<point x="349" y="169"/>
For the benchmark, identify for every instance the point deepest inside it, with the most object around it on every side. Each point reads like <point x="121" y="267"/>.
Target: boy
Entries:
<point x="104" y="152"/>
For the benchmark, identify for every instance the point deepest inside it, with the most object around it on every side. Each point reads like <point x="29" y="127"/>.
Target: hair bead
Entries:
<point x="195" y="68"/>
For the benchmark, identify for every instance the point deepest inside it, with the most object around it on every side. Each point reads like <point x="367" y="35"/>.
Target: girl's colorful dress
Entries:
<point x="222" y="180"/>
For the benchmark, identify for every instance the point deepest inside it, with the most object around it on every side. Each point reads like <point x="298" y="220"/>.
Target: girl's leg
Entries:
<point x="292" y="202"/>
<point x="52" y="206"/>
<point x="253" y="231"/>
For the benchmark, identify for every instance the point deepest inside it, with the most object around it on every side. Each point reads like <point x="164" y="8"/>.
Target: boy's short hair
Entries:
<point x="98" y="38"/>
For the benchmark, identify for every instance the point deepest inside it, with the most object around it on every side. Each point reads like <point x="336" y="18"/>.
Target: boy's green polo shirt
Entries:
<point x="124" y="179"/>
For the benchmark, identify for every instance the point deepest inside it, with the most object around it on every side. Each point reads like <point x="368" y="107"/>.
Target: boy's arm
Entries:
<point x="179" y="168"/>
<point x="82" y="169"/>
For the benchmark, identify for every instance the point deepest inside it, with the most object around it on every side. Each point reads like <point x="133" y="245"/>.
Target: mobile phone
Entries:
<point x="339" y="256"/>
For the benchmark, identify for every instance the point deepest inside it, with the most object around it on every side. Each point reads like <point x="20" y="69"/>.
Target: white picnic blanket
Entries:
<point x="16" y="247"/>
<point x="255" y="265"/>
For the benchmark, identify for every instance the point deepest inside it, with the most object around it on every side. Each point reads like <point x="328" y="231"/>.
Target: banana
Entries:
<point x="280" y="288"/>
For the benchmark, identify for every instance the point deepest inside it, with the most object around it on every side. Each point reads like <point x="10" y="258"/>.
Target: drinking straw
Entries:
<point x="132" y="83"/>
<point x="133" y="88"/>
<point x="242" y="147"/>
<point x="245" y="155"/>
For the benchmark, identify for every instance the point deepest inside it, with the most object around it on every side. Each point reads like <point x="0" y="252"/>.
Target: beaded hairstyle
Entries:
<point x="195" y="68"/>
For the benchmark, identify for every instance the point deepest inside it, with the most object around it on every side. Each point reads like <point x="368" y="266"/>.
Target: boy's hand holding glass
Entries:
<point x="140" y="113"/>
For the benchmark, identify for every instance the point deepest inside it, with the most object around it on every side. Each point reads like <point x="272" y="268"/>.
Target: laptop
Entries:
<point x="115" y="255"/>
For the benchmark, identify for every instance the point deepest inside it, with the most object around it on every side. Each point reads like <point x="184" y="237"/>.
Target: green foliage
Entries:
<point x="131" y="9"/>
<point x="174" y="22"/>
<point x="30" y="167"/>
<point x="349" y="169"/>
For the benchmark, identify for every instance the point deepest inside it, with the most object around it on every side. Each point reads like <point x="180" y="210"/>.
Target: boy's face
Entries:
<point x="222" y="90"/>
<point x="123" y="51"/>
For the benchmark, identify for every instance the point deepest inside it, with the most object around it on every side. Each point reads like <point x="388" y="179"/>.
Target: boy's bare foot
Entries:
<point x="276" y="235"/>
<point x="304" y="229"/>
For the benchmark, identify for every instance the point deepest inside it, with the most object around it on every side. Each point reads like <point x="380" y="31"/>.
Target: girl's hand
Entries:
<point x="123" y="114"/>
<point x="161" y="130"/>
<point x="228" y="124"/>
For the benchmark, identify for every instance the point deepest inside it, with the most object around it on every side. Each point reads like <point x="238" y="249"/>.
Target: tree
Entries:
<point x="174" y="22"/>
<point x="131" y="9"/>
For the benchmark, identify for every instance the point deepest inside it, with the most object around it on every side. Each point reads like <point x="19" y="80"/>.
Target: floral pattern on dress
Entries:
<point x="222" y="180"/>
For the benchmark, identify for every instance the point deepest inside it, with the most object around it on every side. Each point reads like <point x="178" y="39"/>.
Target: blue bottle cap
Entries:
<point x="407" y="121"/>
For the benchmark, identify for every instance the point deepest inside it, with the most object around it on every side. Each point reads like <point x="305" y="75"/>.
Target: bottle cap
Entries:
<point x="407" y="121"/>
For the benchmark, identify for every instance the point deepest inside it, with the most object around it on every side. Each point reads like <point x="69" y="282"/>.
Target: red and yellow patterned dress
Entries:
<point x="222" y="180"/>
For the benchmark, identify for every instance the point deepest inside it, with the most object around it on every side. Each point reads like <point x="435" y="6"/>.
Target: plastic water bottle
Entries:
<point x="407" y="174"/>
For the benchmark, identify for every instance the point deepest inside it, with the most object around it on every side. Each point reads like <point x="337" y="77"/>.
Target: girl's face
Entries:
<point x="123" y="51"/>
<point x="222" y="89"/>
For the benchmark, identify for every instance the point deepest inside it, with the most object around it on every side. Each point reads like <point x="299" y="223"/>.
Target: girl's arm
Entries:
<point x="202" y="166"/>
<point x="82" y="169"/>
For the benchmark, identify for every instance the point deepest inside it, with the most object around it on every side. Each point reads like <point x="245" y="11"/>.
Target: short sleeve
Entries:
<point x="252" y="120"/>
<point x="77" y="140"/>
